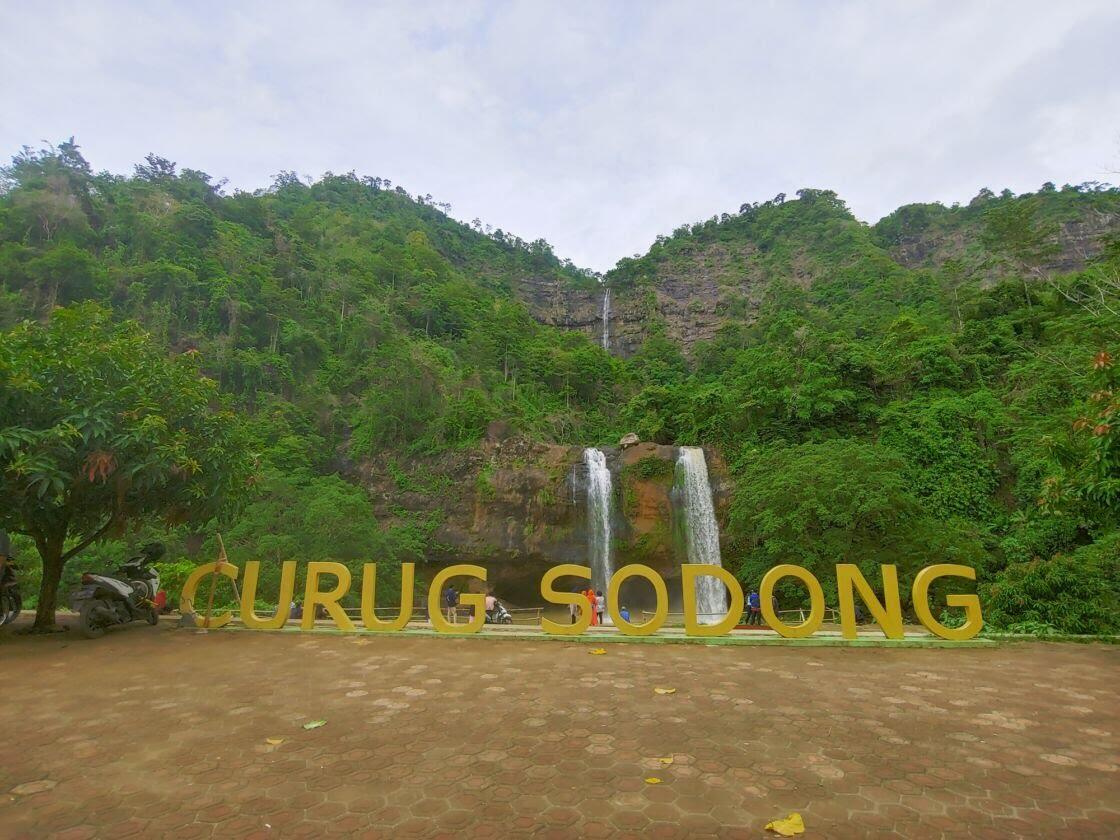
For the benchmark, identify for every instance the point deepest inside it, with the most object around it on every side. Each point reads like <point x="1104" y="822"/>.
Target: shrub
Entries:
<point x="652" y="467"/>
<point x="1075" y="593"/>
<point x="172" y="576"/>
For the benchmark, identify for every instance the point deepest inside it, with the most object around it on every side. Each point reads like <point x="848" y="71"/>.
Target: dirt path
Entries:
<point x="153" y="731"/>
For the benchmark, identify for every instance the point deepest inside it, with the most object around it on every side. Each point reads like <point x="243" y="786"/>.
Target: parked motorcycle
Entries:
<point x="127" y="595"/>
<point x="11" y="602"/>
<point x="500" y="615"/>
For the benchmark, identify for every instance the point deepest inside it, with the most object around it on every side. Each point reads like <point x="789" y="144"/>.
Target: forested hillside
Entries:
<point x="964" y="409"/>
<point x="939" y="386"/>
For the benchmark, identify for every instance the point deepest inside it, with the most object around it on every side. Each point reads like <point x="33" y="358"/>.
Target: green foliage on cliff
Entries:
<point x="346" y="320"/>
<point x="839" y="501"/>
<point x="1075" y="593"/>
<point x="650" y="469"/>
<point x="962" y="411"/>
<point x="358" y="314"/>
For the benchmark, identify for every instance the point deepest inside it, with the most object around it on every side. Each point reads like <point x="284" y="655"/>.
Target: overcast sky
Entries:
<point x="595" y="125"/>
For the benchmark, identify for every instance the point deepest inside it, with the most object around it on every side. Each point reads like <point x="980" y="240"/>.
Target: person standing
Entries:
<point x="5" y="553"/>
<point x="491" y="605"/>
<point x="755" y="606"/>
<point x="600" y="605"/>
<point x="590" y="596"/>
<point x="7" y="580"/>
<point x="451" y="602"/>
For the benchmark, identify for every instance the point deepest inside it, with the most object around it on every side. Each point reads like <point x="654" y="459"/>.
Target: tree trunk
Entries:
<point x="50" y="550"/>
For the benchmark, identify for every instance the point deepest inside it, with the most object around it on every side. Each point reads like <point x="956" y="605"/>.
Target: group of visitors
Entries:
<point x="451" y="605"/>
<point x="598" y="603"/>
<point x="754" y="608"/>
<point x="296" y="611"/>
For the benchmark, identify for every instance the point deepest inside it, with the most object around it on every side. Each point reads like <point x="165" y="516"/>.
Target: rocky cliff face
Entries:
<point x="1076" y="243"/>
<point x="721" y="282"/>
<point x="1079" y="242"/>
<point x="518" y="507"/>
<point x="690" y="305"/>
<point x="552" y="301"/>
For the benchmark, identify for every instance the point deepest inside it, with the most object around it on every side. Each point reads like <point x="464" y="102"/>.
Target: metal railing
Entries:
<point x="831" y="615"/>
<point x="520" y="615"/>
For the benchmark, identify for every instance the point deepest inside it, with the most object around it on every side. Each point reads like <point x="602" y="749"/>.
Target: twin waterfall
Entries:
<point x="599" y="504"/>
<point x="702" y="531"/>
<point x="693" y="495"/>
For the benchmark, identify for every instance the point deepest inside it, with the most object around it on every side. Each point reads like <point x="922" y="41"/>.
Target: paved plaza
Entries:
<point x="153" y="732"/>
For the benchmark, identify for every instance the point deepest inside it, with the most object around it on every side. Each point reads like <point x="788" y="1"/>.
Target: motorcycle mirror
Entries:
<point x="153" y="551"/>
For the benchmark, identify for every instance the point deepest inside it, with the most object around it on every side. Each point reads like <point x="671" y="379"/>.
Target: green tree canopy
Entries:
<point x="100" y="429"/>
<point x="841" y="501"/>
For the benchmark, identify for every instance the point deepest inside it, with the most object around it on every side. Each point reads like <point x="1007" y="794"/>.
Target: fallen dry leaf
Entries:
<point x="28" y="788"/>
<point x="653" y="780"/>
<point x="274" y="741"/>
<point x="666" y="761"/>
<point x="665" y="690"/>
<point x="598" y="651"/>
<point x="315" y="724"/>
<point x="791" y="825"/>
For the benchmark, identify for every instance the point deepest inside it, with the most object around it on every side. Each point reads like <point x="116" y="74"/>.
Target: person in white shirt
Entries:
<point x="491" y="603"/>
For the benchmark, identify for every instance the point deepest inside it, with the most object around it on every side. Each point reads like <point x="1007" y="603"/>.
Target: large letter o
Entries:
<point x="816" y="599"/>
<point x="659" y="591"/>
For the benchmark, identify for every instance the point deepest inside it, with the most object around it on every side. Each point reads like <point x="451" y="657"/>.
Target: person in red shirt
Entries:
<point x="590" y="595"/>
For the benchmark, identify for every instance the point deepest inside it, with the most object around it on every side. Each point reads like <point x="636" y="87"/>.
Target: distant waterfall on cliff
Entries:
<point x="702" y="530"/>
<point x="599" y="497"/>
<point x="606" y="319"/>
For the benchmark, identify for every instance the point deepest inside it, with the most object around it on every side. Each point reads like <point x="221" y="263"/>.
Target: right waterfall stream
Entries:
<point x="701" y="530"/>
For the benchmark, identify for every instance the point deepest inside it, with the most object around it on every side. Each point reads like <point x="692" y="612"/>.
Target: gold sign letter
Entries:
<point x="249" y="616"/>
<point x="556" y="628"/>
<point x="889" y="617"/>
<point x="816" y="601"/>
<point x="435" y="611"/>
<point x="974" y="621"/>
<point x="692" y="627"/>
<point x="313" y="597"/>
<point x="659" y="591"/>
<point x="191" y="585"/>
<point x="369" y="589"/>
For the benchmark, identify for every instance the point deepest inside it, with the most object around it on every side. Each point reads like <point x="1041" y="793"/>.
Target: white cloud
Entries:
<point x="596" y="126"/>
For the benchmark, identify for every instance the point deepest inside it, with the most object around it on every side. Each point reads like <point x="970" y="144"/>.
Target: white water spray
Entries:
<point x="702" y="531"/>
<point x="599" y="498"/>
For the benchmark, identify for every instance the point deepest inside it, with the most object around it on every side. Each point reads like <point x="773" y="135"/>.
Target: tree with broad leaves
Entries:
<point x="1085" y="480"/>
<point x="99" y="430"/>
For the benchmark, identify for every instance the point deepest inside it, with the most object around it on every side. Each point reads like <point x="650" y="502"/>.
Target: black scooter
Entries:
<point x="127" y="595"/>
<point x="11" y="602"/>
